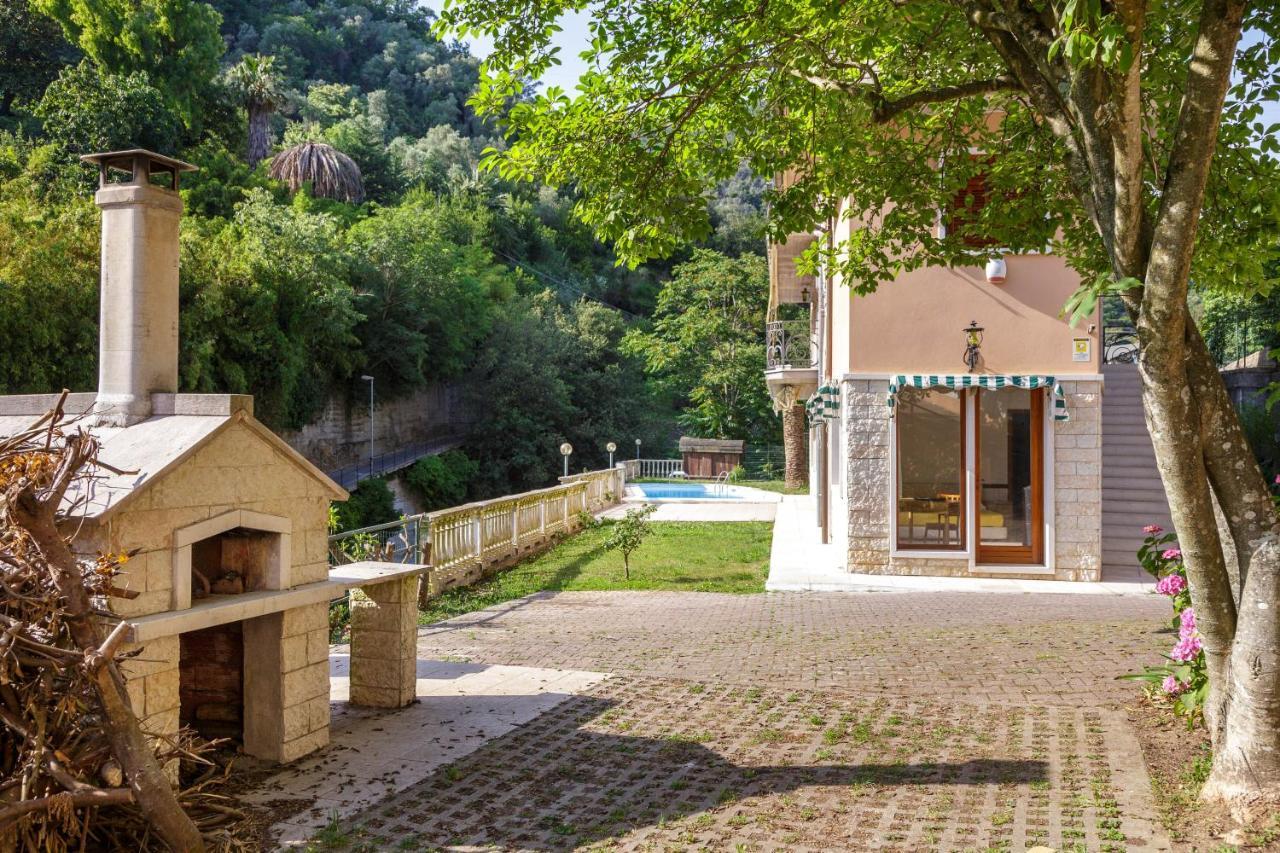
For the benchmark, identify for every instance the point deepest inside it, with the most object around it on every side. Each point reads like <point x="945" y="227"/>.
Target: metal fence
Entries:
<point x="384" y="463"/>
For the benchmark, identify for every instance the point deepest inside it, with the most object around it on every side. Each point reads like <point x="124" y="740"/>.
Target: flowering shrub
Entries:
<point x="1183" y="680"/>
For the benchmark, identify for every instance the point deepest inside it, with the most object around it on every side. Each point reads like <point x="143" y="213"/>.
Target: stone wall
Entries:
<point x="1077" y="487"/>
<point x="1077" y="480"/>
<point x="340" y="435"/>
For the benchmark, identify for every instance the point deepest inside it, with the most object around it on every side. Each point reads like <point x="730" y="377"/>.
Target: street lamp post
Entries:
<point x="637" y="450"/>
<point x="369" y="379"/>
<point x="566" y="450"/>
<point x="611" y="447"/>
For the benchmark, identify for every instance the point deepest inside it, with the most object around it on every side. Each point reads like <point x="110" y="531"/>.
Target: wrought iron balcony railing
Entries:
<point x="789" y="343"/>
<point x="1119" y="343"/>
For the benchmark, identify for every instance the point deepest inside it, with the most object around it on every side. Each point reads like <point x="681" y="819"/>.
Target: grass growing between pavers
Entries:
<point x="683" y="556"/>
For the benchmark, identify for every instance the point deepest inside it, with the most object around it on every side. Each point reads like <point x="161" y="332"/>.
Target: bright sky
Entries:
<point x="572" y="40"/>
<point x="575" y="37"/>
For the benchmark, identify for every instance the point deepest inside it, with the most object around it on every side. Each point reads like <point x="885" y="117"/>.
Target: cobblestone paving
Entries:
<point x="799" y="721"/>
<point x="650" y="764"/>
<point x="1059" y="649"/>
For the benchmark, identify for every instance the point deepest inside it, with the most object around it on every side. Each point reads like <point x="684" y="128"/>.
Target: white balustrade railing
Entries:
<point x="656" y="468"/>
<point x="463" y="543"/>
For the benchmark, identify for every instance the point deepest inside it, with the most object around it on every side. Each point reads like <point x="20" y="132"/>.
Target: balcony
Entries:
<point x="790" y="362"/>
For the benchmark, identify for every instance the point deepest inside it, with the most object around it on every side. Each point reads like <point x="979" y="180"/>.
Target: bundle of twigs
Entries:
<point x="76" y="770"/>
<point x="330" y="173"/>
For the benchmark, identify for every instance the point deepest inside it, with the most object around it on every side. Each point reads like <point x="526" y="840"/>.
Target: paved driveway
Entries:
<point x="904" y="721"/>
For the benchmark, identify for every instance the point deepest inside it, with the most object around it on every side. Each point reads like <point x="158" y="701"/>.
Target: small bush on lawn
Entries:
<point x="1183" y="681"/>
<point x="628" y="532"/>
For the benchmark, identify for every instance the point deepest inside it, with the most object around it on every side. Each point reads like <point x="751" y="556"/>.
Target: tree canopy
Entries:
<point x="1122" y="136"/>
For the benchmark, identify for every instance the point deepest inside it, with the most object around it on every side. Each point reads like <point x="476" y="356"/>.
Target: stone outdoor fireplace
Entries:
<point x="226" y="525"/>
<point x="230" y="554"/>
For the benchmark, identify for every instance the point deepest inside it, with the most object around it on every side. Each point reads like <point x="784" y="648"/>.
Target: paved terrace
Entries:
<point x="819" y="721"/>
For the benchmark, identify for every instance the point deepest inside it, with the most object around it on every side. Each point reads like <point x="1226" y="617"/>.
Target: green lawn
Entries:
<point x="686" y="556"/>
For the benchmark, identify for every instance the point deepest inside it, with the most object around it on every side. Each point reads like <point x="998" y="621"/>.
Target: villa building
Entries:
<point x="954" y="421"/>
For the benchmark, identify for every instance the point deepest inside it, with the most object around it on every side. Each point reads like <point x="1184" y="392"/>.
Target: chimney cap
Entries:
<point x="128" y="160"/>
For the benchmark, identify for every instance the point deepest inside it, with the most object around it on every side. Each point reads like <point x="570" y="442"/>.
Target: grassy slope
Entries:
<point x="685" y="556"/>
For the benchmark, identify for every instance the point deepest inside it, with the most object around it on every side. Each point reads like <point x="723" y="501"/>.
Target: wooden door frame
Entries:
<point x="1021" y="555"/>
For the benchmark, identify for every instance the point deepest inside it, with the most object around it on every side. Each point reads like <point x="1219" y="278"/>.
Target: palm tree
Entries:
<point x="331" y="173"/>
<point x="256" y="81"/>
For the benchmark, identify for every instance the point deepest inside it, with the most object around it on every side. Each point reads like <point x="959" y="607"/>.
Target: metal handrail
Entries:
<point x="789" y="343"/>
<point x="1119" y="343"/>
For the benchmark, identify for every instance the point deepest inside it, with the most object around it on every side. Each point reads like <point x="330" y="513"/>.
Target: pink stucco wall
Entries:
<point x="914" y="324"/>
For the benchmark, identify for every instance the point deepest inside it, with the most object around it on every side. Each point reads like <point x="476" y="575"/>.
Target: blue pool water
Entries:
<point x="698" y="491"/>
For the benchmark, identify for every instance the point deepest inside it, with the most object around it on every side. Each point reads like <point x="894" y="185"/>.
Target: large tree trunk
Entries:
<point x="146" y="779"/>
<point x="1246" y="762"/>
<point x="795" y="447"/>
<point x="259" y="135"/>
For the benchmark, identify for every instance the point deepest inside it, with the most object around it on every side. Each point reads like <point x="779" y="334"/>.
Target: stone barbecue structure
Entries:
<point x="225" y="524"/>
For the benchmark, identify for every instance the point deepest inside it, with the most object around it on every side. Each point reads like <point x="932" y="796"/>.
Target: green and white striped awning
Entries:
<point x="824" y="405"/>
<point x="992" y="382"/>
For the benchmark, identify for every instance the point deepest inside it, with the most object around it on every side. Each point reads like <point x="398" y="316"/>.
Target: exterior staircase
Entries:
<point x="1132" y="495"/>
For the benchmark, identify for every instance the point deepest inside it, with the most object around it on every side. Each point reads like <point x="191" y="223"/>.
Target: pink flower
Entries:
<point x="1172" y="554"/>
<point x="1278" y="479"/>
<point x="1153" y="529"/>
<point x="1172" y="686"/>
<point x="1171" y="585"/>
<point x="1186" y="650"/>
<point x="1188" y="628"/>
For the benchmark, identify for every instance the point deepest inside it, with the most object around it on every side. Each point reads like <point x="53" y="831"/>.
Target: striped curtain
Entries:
<point x="824" y="405"/>
<point x="992" y="382"/>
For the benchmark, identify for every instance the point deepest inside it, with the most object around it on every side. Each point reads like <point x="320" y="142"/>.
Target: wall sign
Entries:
<point x="1080" y="349"/>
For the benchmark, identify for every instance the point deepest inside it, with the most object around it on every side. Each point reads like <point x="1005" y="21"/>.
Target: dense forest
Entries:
<point x="415" y="265"/>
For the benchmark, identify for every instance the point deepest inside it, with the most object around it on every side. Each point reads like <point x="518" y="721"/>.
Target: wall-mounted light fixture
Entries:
<point x="804" y="294"/>
<point x="997" y="271"/>
<point x="973" y="340"/>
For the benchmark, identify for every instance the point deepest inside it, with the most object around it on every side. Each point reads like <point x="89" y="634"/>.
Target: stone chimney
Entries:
<point x="138" y="333"/>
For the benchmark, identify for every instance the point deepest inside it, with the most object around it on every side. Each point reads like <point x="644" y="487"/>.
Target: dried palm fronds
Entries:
<point x="331" y="173"/>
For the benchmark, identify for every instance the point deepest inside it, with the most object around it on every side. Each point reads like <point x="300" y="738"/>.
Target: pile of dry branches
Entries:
<point x="76" y="770"/>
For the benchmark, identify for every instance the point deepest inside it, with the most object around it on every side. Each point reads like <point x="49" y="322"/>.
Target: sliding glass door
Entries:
<point x="1009" y="473"/>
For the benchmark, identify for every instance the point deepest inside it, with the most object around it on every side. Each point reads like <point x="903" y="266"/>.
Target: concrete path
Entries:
<point x="756" y="505"/>
<point x="375" y="753"/>
<point x="701" y="511"/>
<point x="799" y="562"/>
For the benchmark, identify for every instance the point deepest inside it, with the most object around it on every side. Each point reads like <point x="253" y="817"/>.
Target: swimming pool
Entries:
<point x="687" y="491"/>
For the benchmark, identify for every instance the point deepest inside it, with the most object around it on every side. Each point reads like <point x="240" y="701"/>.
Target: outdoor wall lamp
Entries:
<point x="997" y="271"/>
<point x="804" y="294"/>
<point x="566" y="450"/>
<point x="973" y="340"/>
<point x="611" y="447"/>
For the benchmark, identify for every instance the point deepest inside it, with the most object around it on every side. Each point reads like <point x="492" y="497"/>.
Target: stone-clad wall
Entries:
<point x="1077" y="475"/>
<point x="339" y="436"/>
<point x="867" y="433"/>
